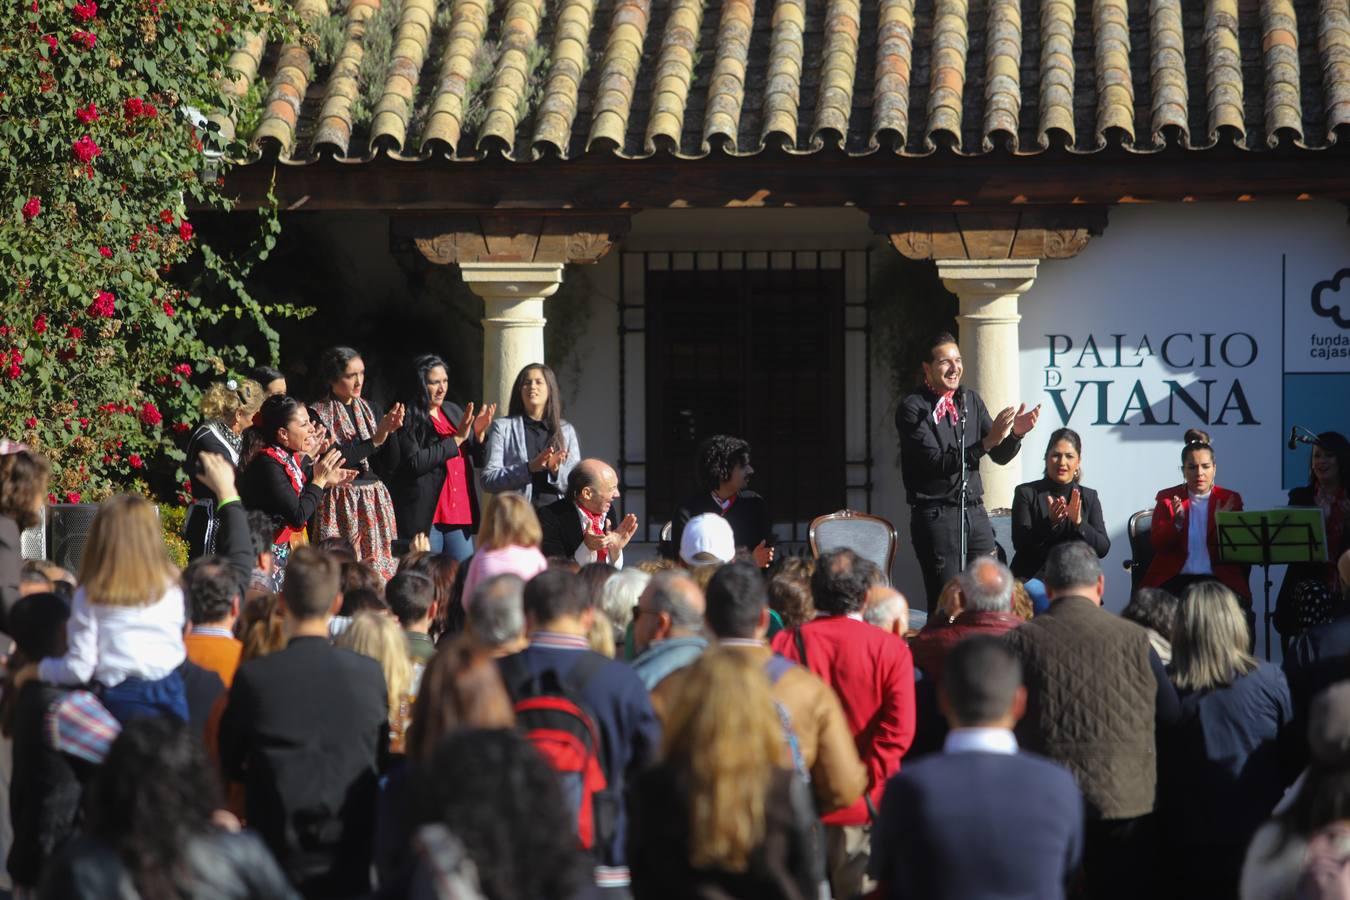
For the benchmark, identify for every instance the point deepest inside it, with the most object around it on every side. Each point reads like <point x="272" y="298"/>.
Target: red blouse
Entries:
<point x="452" y="507"/>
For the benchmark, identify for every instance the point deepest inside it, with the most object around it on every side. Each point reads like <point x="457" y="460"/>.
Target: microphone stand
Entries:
<point x="965" y="486"/>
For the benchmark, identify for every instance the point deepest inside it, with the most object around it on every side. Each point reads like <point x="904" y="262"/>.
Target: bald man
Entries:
<point x="582" y="525"/>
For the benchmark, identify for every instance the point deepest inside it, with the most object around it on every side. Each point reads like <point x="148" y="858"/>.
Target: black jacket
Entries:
<point x="306" y="730"/>
<point x="415" y="483"/>
<point x="45" y="790"/>
<point x="930" y="452"/>
<point x="219" y="865"/>
<point x="561" y="524"/>
<point x="1033" y="534"/>
<point x="265" y="486"/>
<point x="748" y="518"/>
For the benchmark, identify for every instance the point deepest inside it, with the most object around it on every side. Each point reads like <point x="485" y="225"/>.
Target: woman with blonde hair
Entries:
<point x="1223" y="765"/>
<point x="125" y="633"/>
<point x="721" y="815"/>
<point x="228" y="407"/>
<point x="379" y="637"/>
<point x="508" y="542"/>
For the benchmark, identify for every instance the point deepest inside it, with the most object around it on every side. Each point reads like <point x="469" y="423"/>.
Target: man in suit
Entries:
<point x="723" y="473"/>
<point x="582" y="526"/>
<point x="1022" y="812"/>
<point x="931" y="422"/>
<point x="307" y="731"/>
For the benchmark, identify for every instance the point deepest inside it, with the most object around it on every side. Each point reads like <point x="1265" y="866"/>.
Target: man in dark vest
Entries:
<point x="931" y="421"/>
<point x="1096" y="696"/>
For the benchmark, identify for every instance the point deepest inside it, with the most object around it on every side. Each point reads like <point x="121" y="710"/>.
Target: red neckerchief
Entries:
<point x="724" y="505"/>
<point x="597" y="522"/>
<point x="945" y="406"/>
<point x="295" y="475"/>
<point x="452" y="505"/>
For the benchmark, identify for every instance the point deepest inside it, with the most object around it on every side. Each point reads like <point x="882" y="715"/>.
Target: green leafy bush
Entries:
<point x="110" y="299"/>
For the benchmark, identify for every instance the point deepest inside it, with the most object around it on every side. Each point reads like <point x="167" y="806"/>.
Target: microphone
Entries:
<point x="1307" y="437"/>
<point x="1293" y="437"/>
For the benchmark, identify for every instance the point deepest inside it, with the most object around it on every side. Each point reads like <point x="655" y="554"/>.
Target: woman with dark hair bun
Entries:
<point x="433" y="486"/>
<point x="1310" y="590"/>
<point x="360" y="510"/>
<point x="272" y="380"/>
<point x="533" y="449"/>
<point x="1185" y="539"/>
<point x="280" y="480"/>
<point x="1055" y="508"/>
<point x="154" y="829"/>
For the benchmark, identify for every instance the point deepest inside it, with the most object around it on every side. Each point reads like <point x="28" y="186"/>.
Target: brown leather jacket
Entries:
<point x="838" y="776"/>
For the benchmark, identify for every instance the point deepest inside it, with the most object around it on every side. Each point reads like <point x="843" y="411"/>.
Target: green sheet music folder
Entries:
<point x="1272" y="536"/>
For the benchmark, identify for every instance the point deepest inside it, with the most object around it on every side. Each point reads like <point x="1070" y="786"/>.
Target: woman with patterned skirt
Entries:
<point x="360" y="512"/>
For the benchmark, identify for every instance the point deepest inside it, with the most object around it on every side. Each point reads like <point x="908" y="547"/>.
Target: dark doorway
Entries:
<point x="757" y="353"/>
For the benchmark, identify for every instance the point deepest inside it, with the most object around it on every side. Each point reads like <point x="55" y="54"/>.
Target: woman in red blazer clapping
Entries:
<point x="1185" y="541"/>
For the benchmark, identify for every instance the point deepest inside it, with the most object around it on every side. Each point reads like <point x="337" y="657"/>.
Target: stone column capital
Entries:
<point x="512" y="281"/>
<point x="987" y="278"/>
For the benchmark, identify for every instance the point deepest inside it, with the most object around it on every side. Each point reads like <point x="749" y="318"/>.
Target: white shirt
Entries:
<point x="109" y="644"/>
<point x="980" y="740"/>
<point x="1197" y="537"/>
<point x="585" y="555"/>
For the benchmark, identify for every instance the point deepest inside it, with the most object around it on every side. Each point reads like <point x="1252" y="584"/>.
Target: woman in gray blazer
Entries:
<point x="532" y="450"/>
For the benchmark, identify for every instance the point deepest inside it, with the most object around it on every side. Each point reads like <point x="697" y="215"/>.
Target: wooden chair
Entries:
<point x="1141" y="547"/>
<point x="869" y="536"/>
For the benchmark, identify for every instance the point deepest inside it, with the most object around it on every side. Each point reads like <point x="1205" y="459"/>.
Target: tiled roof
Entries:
<point x="532" y="78"/>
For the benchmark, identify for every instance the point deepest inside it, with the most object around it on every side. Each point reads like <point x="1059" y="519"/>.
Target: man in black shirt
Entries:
<point x="930" y="422"/>
<point x="306" y="730"/>
<point x="723" y="471"/>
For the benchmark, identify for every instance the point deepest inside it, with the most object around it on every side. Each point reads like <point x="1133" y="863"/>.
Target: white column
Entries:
<point x="988" y="292"/>
<point x="513" y="319"/>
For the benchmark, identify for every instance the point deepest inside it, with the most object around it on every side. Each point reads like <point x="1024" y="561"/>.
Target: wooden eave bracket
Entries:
<point x="1032" y="233"/>
<point x="451" y="239"/>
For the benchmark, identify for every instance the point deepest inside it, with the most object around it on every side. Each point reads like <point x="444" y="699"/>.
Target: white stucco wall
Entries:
<point x="1157" y="271"/>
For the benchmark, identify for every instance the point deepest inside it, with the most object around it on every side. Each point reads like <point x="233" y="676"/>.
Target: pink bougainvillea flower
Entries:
<point x="182" y="369"/>
<point x="166" y="216"/>
<point x="52" y="43"/>
<point x="32" y="208"/>
<point x="104" y="305"/>
<point x="136" y="461"/>
<point x="72" y="497"/>
<point x="105" y="252"/>
<point x="86" y="10"/>
<point x="74" y="332"/>
<point x="150" y="414"/>
<point x="40" y="323"/>
<point x="30" y="422"/>
<point x="85" y="149"/>
<point x="133" y="107"/>
<point x="185" y="231"/>
<point x="86" y="39"/>
<point x="168" y="309"/>
<point x="87" y="114"/>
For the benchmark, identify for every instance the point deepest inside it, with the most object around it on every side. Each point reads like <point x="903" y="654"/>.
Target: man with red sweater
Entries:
<point x="872" y="672"/>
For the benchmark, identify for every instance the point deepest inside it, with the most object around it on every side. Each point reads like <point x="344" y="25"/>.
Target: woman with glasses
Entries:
<point x="1185" y="538"/>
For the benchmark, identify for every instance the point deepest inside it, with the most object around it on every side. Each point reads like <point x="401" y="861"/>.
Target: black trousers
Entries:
<point x="1120" y="858"/>
<point x="936" y="532"/>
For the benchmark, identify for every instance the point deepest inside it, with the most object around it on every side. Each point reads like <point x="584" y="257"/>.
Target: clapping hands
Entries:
<point x="1066" y="509"/>
<point x="549" y="458"/>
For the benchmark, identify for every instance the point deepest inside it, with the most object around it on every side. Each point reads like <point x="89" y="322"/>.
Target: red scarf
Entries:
<point x="452" y="506"/>
<point x="724" y="506"/>
<point x="597" y="526"/>
<point x="945" y="406"/>
<point x="295" y="475"/>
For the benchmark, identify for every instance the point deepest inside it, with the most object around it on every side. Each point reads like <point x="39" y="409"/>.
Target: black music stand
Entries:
<point x="1267" y="537"/>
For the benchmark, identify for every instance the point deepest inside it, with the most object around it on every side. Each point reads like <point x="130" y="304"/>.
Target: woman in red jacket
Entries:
<point x="1185" y="541"/>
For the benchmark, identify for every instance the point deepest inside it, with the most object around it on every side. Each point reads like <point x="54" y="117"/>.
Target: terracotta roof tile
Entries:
<point x="535" y="78"/>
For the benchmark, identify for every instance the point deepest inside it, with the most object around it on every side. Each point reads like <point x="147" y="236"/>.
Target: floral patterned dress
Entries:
<point x="361" y="512"/>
